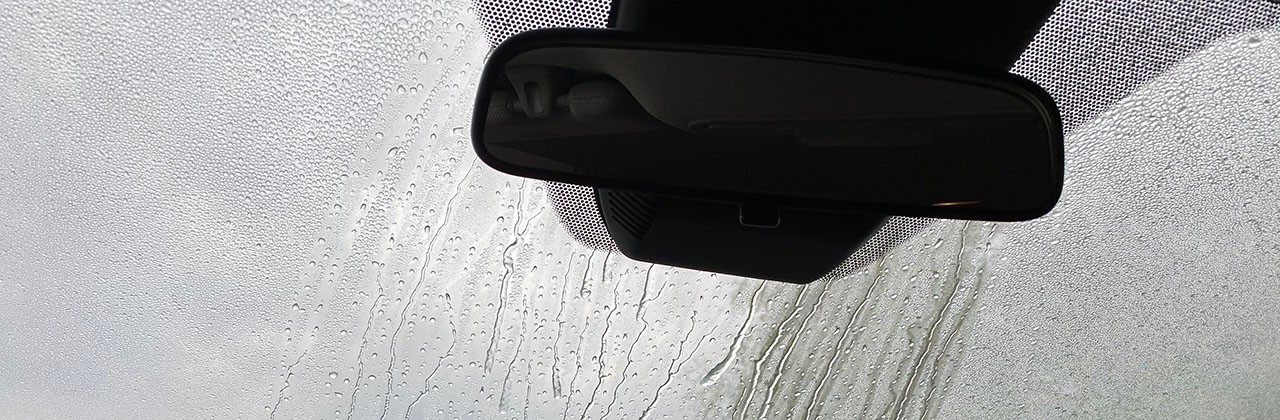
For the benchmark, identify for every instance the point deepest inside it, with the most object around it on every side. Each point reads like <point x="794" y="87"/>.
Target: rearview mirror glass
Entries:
<point x="610" y="109"/>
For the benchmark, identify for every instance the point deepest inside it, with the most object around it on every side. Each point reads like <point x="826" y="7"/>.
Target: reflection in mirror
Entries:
<point x="769" y="127"/>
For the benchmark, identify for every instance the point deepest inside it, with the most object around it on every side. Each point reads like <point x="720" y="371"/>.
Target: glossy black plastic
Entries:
<point x="758" y="144"/>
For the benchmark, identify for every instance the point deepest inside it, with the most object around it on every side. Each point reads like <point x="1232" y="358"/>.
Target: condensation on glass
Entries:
<point x="275" y="212"/>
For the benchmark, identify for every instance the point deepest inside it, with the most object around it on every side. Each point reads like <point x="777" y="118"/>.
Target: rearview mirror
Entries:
<point x="616" y="110"/>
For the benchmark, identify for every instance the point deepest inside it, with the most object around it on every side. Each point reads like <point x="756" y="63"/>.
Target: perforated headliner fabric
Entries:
<point x="1088" y="55"/>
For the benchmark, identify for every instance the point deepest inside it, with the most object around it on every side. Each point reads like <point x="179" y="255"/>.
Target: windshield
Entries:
<point x="275" y="211"/>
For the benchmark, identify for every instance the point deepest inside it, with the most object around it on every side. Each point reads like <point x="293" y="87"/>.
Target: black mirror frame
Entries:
<point x="564" y="37"/>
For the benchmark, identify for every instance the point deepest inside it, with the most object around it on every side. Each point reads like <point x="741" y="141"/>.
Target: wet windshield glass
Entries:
<point x="275" y="211"/>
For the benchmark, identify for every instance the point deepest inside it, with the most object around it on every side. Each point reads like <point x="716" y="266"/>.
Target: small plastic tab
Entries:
<point x="538" y="88"/>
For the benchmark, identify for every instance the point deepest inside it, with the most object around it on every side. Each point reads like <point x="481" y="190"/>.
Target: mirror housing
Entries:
<point x="620" y="110"/>
<point x="762" y="163"/>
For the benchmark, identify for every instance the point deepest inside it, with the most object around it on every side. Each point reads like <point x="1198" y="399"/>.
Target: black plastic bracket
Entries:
<point x="792" y="245"/>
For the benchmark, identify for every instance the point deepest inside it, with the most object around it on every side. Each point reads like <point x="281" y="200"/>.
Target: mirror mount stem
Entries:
<point x="979" y="34"/>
